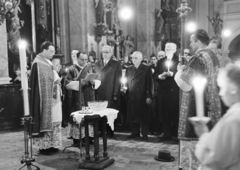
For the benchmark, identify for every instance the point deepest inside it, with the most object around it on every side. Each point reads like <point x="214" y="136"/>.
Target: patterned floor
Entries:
<point x="128" y="154"/>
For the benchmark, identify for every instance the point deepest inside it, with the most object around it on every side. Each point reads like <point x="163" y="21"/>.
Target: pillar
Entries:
<point x="4" y="77"/>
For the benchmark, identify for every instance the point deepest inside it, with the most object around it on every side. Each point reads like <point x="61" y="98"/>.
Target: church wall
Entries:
<point x="141" y="26"/>
<point x="78" y="19"/>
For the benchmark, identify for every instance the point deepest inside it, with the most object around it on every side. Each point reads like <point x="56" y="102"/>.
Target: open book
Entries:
<point x="73" y="85"/>
<point x="91" y="77"/>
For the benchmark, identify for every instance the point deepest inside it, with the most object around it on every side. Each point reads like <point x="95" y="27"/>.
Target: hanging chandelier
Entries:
<point x="7" y="6"/>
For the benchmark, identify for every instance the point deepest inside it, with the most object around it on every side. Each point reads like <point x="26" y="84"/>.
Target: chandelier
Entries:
<point x="7" y="6"/>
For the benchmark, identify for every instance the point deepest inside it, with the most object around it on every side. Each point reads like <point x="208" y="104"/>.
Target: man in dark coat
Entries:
<point x="168" y="93"/>
<point x="109" y="72"/>
<point x="139" y="94"/>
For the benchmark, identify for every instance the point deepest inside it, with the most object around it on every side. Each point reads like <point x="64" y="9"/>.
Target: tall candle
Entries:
<point x="24" y="79"/>
<point x="199" y="85"/>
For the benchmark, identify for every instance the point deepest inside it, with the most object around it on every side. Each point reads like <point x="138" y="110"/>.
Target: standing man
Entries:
<point x="204" y="63"/>
<point x="154" y="124"/>
<point x="139" y="93"/>
<point x="80" y="95"/>
<point x="109" y="72"/>
<point x="44" y="102"/>
<point x="168" y="93"/>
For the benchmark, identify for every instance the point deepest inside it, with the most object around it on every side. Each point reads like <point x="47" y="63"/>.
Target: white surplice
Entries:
<point x="220" y="148"/>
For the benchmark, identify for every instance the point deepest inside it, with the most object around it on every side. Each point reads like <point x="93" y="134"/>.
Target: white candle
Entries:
<point x="199" y="85"/>
<point x="24" y="79"/>
<point x="168" y="64"/>
<point x="124" y="81"/>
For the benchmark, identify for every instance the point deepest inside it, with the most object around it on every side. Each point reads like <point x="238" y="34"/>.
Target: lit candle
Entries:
<point x="199" y="85"/>
<point x="24" y="79"/>
<point x="124" y="81"/>
<point x="168" y="64"/>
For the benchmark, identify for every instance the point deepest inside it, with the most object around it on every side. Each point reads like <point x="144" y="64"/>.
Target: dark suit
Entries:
<point x="139" y="85"/>
<point x="110" y="76"/>
<point x="168" y="98"/>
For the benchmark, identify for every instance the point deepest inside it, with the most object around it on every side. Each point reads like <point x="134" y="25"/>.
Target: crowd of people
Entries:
<point x="157" y="97"/>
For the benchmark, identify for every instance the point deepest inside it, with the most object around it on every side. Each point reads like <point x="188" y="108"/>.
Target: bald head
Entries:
<point x="161" y="54"/>
<point x="74" y="56"/>
<point x="137" y="58"/>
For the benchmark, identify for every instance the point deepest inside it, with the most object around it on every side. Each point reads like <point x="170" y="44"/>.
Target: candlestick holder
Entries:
<point x="27" y="159"/>
<point x="203" y="120"/>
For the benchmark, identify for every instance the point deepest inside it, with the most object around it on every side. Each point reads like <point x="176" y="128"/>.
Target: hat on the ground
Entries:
<point x="165" y="156"/>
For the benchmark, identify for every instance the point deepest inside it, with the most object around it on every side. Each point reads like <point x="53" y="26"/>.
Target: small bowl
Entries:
<point x="98" y="105"/>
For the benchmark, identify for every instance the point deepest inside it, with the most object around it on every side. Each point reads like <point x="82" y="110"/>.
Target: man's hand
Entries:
<point x="180" y="67"/>
<point x="200" y="127"/>
<point x="162" y="76"/>
<point x="124" y="89"/>
<point x="115" y="98"/>
<point x="148" y="100"/>
<point x="92" y="82"/>
<point x="169" y="74"/>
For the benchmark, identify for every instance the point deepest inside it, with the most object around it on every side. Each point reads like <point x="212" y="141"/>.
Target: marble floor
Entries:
<point x="128" y="154"/>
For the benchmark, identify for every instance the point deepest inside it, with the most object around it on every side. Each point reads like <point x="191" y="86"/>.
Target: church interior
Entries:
<point x="90" y="26"/>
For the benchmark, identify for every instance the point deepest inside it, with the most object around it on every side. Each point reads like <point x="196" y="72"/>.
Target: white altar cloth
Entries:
<point x="111" y="115"/>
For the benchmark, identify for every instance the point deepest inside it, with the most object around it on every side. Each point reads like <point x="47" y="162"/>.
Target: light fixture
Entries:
<point x="125" y="13"/>
<point x="226" y="33"/>
<point x="191" y="27"/>
<point x="7" y="6"/>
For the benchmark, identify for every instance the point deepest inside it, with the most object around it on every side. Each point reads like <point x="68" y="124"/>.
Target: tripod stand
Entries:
<point x="27" y="121"/>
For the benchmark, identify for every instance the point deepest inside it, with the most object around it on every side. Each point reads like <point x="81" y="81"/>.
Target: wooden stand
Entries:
<point x="96" y="162"/>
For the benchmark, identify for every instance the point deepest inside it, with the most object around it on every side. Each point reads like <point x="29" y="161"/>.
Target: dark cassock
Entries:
<point x="139" y="88"/>
<point x="110" y="76"/>
<point x="203" y="63"/>
<point x="78" y="99"/>
<point x="167" y="98"/>
<point x="45" y="104"/>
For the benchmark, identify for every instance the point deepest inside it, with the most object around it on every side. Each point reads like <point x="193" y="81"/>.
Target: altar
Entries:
<point x="106" y="116"/>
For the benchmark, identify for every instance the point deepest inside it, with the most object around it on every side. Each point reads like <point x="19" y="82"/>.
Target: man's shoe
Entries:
<point x="45" y="152"/>
<point x="144" y="138"/>
<point x="164" y="139"/>
<point x="133" y="136"/>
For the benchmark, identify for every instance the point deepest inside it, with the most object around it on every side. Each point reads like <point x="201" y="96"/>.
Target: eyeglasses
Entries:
<point x="106" y="52"/>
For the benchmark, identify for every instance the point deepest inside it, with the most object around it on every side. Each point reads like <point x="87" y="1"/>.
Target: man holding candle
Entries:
<point x="204" y="63"/>
<point x="168" y="93"/>
<point x="109" y="73"/>
<point x="139" y="93"/>
<point x="45" y="103"/>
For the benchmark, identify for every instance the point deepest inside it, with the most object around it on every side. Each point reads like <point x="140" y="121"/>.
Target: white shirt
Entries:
<point x="220" y="148"/>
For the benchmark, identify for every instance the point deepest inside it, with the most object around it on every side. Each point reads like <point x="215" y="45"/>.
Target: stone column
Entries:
<point x="4" y="77"/>
<point x="202" y="11"/>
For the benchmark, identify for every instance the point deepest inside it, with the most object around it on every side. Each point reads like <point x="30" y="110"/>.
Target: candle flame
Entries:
<point x="169" y="63"/>
<point x="22" y="44"/>
<point x="199" y="82"/>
